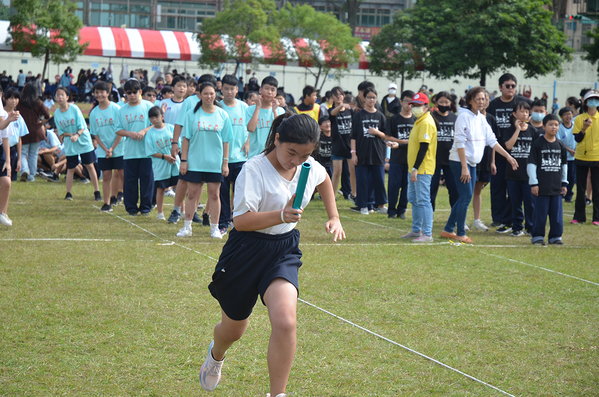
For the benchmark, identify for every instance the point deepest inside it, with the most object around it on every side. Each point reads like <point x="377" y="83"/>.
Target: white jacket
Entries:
<point x="473" y="133"/>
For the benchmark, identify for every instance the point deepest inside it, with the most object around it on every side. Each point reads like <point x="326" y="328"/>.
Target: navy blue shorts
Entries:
<point x="3" y="172"/>
<point x="111" y="163"/>
<point x="250" y="261"/>
<point x="199" y="177"/>
<point x="86" y="158"/>
<point x="333" y="157"/>
<point x="166" y="183"/>
<point x="483" y="176"/>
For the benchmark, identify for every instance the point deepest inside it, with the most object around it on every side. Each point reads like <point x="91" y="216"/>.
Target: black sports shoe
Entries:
<point x="133" y="213"/>
<point x="504" y="229"/>
<point x="68" y="197"/>
<point x="113" y="201"/>
<point x="97" y="196"/>
<point x="496" y="224"/>
<point x="355" y="209"/>
<point x="119" y="197"/>
<point x="196" y="218"/>
<point x="402" y="216"/>
<point x="106" y="208"/>
<point x="556" y="242"/>
<point x="540" y="242"/>
<point x="205" y="219"/>
<point x="174" y="218"/>
<point x="391" y="216"/>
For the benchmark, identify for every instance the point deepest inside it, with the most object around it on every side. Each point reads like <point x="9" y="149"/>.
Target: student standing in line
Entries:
<point x="36" y="115"/>
<point x="309" y="106"/>
<point x="538" y="111"/>
<point x="5" y="170"/>
<point x="325" y="146"/>
<point x="205" y="156"/>
<point x="261" y="115"/>
<point x="262" y="256"/>
<point x="341" y="127"/>
<point x="19" y="130"/>
<point x="565" y="135"/>
<point x="103" y="123"/>
<point x="547" y="172"/>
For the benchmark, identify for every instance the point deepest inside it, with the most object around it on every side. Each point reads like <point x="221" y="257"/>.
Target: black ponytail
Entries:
<point x="293" y="128"/>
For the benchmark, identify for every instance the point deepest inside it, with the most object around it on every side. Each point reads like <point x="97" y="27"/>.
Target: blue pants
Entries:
<point x="465" y="191"/>
<point x="520" y="193"/>
<point x="139" y="181"/>
<point x="345" y="180"/>
<point x="225" y="193"/>
<point x="501" y="209"/>
<point x="552" y="206"/>
<point x="449" y="183"/>
<point x="571" y="179"/>
<point x="398" y="180"/>
<point x="366" y="175"/>
<point x="419" y="195"/>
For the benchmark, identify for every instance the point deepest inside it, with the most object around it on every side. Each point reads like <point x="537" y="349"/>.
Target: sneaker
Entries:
<point x="529" y="234"/>
<point x="174" y="217"/>
<point x="230" y="225"/>
<point x="402" y="216"/>
<point x="210" y="371"/>
<point x="574" y="222"/>
<point x="200" y="206"/>
<point x="160" y="216"/>
<point x="145" y="214"/>
<point x="68" y="197"/>
<point x="588" y="202"/>
<point x="423" y="239"/>
<point x="518" y="233"/>
<point x="205" y="219"/>
<point x="355" y="209"/>
<point x="504" y="229"/>
<point x="370" y="210"/>
<point x="106" y="208"/>
<point x="391" y="216"/>
<point x="24" y="176"/>
<point x="478" y="224"/>
<point x="412" y="234"/>
<point x="383" y="210"/>
<point x="223" y="230"/>
<point x="496" y="224"/>
<point x="595" y="223"/>
<point x="540" y="242"/>
<point x="352" y="198"/>
<point x="84" y="181"/>
<point x="445" y="234"/>
<point x="133" y="213"/>
<point x="169" y="193"/>
<point x="119" y="197"/>
<point x="568" y="200"/>
<point x="464" y="239"/>
<point x="97" y="196"/>
<point x="196" y="218"/>
<point x="215" y="233"/>
<point x="52" y="177"/>
<point x="466" y="228"/>
<point x="30" y="178"/>
<point x="113" y="201"/>
<point x="4" y="220"/>
<point x="40" y="172"/>
<point x="184" y="232"/>
<point x="557" y="242"/>
<point x="153" y="206"/>
<point x="364" y="211"/>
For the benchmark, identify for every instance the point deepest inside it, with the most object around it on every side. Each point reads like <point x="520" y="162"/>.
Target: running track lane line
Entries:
<point x="334" y="315"/>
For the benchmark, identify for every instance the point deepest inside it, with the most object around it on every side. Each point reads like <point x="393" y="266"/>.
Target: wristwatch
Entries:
<point x="414" y="169"/>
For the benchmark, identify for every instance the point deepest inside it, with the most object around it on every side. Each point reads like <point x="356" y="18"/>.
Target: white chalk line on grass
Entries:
<point x="65" y="239"/>
<point x="406" y="348"/>
<point x="370" y="223"/>
<point x="316" y="307"/>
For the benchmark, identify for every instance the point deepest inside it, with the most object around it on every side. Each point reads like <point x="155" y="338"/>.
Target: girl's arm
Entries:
<point x="19" y="146"/>
<point x="101" y="144"/>
<point x="184" y="149"/>
<point x="512" y="141"/>
<point x="465" y="177"/>
<point x="225" y="166"/>
<point x="336" y="110"/>
<point x="497" y="148"/>
<point x="252" y="221"/>
<point x="333" y="225"/>
<point x="12" y="116"/>
<point x="6" y="147"/>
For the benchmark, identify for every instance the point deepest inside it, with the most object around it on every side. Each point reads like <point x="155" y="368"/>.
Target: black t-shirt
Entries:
<point x="502" y="112"/>
<point x="520" y="151"/>
<point x="370" y="149"/>
<point x="4" y="82"/>
<point x="549" y="158"/>
<point x="445" y="134"/>
<point x="324" y="150"/>
<point x="399" y="127"/>
<point x="341" y="132"/>
<point x="485" y="163"/>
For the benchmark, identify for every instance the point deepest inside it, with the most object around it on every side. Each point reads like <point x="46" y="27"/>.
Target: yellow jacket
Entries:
<point x="588" y="149"/>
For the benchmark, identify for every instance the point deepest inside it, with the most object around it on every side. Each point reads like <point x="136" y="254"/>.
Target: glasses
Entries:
<point x="509" y="86"/>
<point x="130" y="92"/>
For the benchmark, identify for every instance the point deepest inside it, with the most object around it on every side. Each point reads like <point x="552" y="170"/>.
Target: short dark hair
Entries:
<point x="148" y="89"/>
<point x="368" y="90"/>
<point x="155" y="111"/>
<point x="337" y="91"/>
<point x="208" y="77"/>
<point x="538" y="102"/>
<point x="565" y="110"/>
<point x="270" y="80"/>
<point x="132" y="85"/>
<point x="101" y="86"/>
<point x="407" y="93"/>
<point x="471" y="94"/>
<point x="229" y="79"/>
<point x="248" y="94"/>
<point x="518" y="106"/>
<point x="166" y="89"/>
<point x="178" y="79"/>
<point x="308" y="90"/>
<point x="507" y="77"/>
<point x="584" y="91"/>
<point x="189" y="81"/>
<point x="365" y="84"/>
<point x="550" y="117"/>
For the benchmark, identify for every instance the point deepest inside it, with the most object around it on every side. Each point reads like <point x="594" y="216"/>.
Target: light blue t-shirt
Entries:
<point x="134" y="118"/>
<point x="260" y="135"/>
<point x="188" y="105"/>
<point x="70" y="122"/>
<point x="206" y="133"/>
<point x="19" y="129"/>
<point x="239" y="131"/>
<point x="103" y="125"/>
<point x="159" y="141"/>
<point x="52" y="141"/>
<point x="172" y="110"/>
<point x="565" y="135"/>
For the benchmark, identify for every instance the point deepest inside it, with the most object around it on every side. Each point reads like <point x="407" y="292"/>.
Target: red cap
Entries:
<point x="420" y="99"/>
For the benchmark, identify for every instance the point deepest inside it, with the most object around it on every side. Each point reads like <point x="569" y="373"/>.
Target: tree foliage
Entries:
<point x="592" y="50"/>
<point x="391" y="53"/>
<point x="478" y="37"/>
<point x="330" y="44"/>
<point x="239" y="22"/>
<point x="46" y="28"/>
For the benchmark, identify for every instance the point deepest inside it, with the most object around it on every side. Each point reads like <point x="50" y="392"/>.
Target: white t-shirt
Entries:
<point x="260" y="188"/>
<point x="8" y="132"/>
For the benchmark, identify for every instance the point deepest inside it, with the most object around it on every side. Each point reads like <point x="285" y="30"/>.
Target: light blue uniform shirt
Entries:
<point x="70" y="122"/>
<point x="19" y="129"/>
<point x="172" y="110"/>
<point x="159" y="141"/>
<point x="103" y="125"/>
<point x="565" y="135"/>
<point x="206" y="133"/>
<point x="134" y="118"/>
<point x="51" y="142"/>
<point x="259" y="136"/>
<point x="239" y="131"/>
<point x="188" y="105"/>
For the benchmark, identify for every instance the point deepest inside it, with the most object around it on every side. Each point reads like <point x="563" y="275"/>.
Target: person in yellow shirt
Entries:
<point x="309" y="106"/>
<point x="422" y="150"/>
<point x="586" y="157"/>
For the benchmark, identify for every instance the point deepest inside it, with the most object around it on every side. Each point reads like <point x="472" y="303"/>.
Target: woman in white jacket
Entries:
<point x="472" y="134"/>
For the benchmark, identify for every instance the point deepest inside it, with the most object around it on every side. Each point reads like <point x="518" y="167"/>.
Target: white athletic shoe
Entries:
<point x="466" y="228"/>
<point x="278" y="395"/>
<point x="5" y="220"/>
<point x="364" y="211"/>
<point x="184" y="232"/>
<point x="382" y="210"/>
<point x="210" y="371"/>
<point x="160" y="216"/>
<point x="215" y="233"/>
<point x="169" y="193"/>
<point x="478" y="224"/>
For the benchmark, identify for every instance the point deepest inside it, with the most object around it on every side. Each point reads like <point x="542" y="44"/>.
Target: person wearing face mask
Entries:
<point x="390" y="102"/>
<point x="586" y="134"/>
<point x="538" y="113"/>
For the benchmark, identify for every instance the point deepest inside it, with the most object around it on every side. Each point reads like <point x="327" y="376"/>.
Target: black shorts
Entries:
<point x="483" y="176"/>
<point x="250" y="261"/>
<point x="166" y="183"/>
<point x="199" y="177"/>
<point x="3" y="172"/>
<point x="111" y="163"/>
<point x="86" y="158"/>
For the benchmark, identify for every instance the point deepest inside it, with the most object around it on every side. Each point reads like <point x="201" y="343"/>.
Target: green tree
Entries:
<point x="477" y="37"/>
<point x="330" y="44"/>
<point x="46" y="28"/>
<point x="391" y="53"/>
<point x="592" y="50"/>
<point x="239" y="22"/>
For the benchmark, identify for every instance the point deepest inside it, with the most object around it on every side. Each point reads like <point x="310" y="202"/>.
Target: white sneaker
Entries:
<point x="278" y="395"/>
<point x="215" y="233"/>
<point x="160" y="216"/>
<point x="184" y="232"/>
<point x="169" y="193"/>
<point x="364" y="211"/>
<point x="478" y="224"/>
<point x="200" y="206"/>
<point x="210" y="371"/>
<point x="466" y="228"/>
<point x="5" y="220"/>
<point x="382" y="210"/>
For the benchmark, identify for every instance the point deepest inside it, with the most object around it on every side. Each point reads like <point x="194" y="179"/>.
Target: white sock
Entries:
<point x="178" y="209"/>
<point x="214" y="226"/>
<point x="187" y="224"/>
<point x="161" y="213"/>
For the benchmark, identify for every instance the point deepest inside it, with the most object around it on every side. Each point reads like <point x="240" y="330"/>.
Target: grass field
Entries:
<point x="95" y="304"/>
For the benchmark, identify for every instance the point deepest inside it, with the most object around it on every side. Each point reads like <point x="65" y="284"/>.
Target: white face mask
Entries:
<point x="418" y="111"/>
<point x="392" y="92"/>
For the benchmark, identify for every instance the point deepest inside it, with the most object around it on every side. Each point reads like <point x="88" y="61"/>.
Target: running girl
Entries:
<point x="261" y="256"/>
